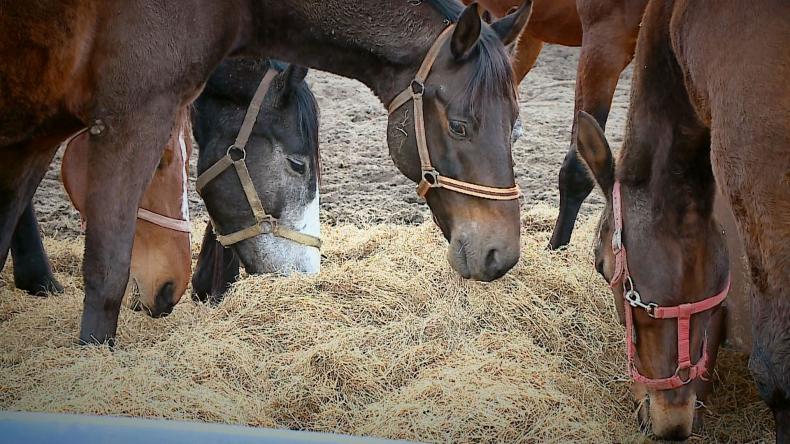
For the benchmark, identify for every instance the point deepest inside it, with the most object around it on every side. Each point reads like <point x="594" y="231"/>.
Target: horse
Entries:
<point x="161" y="257"/>
<point x="284" y="165"/>
<point x="125" y="70"/>
<point x="161" y="254"/>
<point x="606" y="30"/>
<point x="702" y="115"/>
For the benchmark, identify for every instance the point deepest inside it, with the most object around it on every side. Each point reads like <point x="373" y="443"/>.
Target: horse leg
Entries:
<point x="525" y="54"/>
<point x="606" y="51"/>
<point x="24" y="165"/>
<point x="217" y="268"/>
<point x="32" y="271"/>
<point x="122" y="158"/>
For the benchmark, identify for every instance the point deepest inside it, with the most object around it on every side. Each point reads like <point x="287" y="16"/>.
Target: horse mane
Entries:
<point x="309" y="115"/>
<point x="493" y="73"/>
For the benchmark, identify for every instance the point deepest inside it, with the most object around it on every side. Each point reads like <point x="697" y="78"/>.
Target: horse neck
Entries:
<point x="666" y="152"/>
<point x="378" y="43"/>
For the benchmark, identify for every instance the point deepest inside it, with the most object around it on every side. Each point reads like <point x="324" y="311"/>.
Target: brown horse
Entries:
<point x="161" y="254"/>
<point x="606" y="30"/>
<point x="126" y="69"/>
<point x="700" y="109"/>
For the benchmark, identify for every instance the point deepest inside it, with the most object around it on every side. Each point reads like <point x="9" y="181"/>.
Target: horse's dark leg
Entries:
<point x="32" y="271"/>
<point x="606" y="51"/>
<point x="23" y="166"/>
<point x="122" y="159"/>
<point x="217" y="268"/>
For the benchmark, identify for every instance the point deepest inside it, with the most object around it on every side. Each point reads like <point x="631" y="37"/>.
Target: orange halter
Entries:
<point x="430" y="176"/>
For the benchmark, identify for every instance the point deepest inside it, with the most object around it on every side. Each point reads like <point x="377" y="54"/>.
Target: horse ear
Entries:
<point x="486" y="16"/>
<point x="591" y="144"/>
<point x="290" y="79"/>
<point x="509" y="27"/>
<point x="466" y="32"/>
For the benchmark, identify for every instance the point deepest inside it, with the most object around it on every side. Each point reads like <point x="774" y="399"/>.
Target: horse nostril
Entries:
<point x="492" y="258"/>
<point x="164" y="300"/>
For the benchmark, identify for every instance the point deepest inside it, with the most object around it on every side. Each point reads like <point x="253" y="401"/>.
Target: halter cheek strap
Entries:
<point x="431" y="178"/>
<point x="264" y="223"/>
<point x="685" y="371"/>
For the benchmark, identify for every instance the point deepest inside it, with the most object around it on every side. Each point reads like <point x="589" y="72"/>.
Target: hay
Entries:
<point x="386" y="341"/>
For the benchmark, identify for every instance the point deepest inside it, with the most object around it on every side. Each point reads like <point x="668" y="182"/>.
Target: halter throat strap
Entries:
<point x="685" y="371"/>
<point x="430" y="177"/>
<point x="264" y="223"/>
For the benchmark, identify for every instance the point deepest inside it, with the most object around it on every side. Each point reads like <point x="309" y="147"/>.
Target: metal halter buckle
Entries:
<point x="268" y="224"/>
<point x="635" y="300"/>
<point x="417" y="88"/>
<point x="233" y="148"/>
<point x="432" y="177"/>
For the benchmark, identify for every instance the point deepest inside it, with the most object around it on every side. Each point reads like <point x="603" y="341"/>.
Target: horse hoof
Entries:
<point x="41" y="287"/>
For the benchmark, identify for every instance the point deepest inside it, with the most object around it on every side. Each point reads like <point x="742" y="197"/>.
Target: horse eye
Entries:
<point x="297" y="165"/>
<point x="458" y="128"/>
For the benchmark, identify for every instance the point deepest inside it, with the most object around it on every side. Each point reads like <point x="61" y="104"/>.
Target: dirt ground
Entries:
<point x="361" y="185"/>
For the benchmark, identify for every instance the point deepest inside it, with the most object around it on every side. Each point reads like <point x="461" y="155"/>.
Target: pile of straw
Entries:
<point x="386" y="341"/>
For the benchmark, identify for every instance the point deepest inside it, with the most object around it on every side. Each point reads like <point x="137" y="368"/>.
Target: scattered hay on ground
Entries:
<point x="386" y="341"/>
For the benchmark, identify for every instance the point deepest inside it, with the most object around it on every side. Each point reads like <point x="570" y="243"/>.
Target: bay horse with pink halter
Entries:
<point x="126" y="69"/>
<point x="703" y="113"/>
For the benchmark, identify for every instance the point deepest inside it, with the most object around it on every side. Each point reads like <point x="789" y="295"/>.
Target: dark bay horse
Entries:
<point x="606" y="30"/>
<point x="126" y="69"/>
<point x="283" y="161"/>
<point x="701" y="109"/>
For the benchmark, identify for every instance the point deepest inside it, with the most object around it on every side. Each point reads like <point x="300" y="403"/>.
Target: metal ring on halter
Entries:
<point x="417" y="87"/>
<point x="268" y="224"/>
<point x="432" y="177"/>
<point x="236" y="148"/>
<point x="635" y="299"/>
<point x="688" y="377"/>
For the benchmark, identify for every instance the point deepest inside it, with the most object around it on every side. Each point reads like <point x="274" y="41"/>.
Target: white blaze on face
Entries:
<point x="273" y="254"/>
<point x="184" y="180"/>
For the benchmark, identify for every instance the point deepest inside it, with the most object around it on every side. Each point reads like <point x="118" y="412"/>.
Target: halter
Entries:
<point x="430" y="176"/>
<point x="264" y="223"/>
<point x="167" y="222"/>
<point x="685" y="371"/>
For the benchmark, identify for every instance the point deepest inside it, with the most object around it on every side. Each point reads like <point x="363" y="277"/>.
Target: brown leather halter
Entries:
<point x="167" y="222"/>
<point x="685" y="371"/>
<point x="264" y="223"/>
<point x="430" y="176"/>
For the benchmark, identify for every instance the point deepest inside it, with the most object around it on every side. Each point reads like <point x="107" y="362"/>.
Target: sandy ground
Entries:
<point x="360" y="184"/>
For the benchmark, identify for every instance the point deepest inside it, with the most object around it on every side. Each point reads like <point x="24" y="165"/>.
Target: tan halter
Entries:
<point x="430" y="176"/>
<point x="264" y="223"/>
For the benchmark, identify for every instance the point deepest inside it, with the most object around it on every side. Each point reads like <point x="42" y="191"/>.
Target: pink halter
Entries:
<point x="685" y="372"/>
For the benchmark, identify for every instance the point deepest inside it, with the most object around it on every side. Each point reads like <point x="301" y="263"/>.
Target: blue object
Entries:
<point x="47" y="428"/>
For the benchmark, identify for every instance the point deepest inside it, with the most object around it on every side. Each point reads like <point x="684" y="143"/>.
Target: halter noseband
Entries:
<point x="685" y="371"/>
<point x="264" y="223"/>
<point x="430" y="177"/>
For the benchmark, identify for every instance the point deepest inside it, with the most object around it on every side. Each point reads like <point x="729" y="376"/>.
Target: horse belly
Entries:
<point x="45" y="46"/>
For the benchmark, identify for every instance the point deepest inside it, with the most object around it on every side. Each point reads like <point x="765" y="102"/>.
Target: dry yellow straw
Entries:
<point x="386" y="341"/>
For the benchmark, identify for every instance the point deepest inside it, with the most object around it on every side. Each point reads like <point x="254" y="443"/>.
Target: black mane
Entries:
<point x="493" y="75"/>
